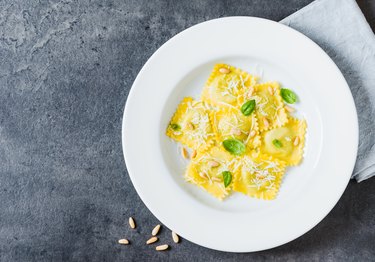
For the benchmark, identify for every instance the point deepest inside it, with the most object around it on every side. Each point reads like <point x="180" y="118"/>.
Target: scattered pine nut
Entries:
<point x="175" y="237"/>
<point x="266" y="123"/>
<point x="236" y="131"/>
<point x="123" y="241"/>
<point x="131" y="222"/>
<point x="203" y="175"/>
<point x="194" y="153"/>
<point x="151" y="240"/>
<point x="296" y="141"/>
<point x="162" y="247"/>
<point x="271" y="90"/>
<point x="190" y="126"/>
<point x="250" y="92"/>
<point x="216" y="179"/>
<point x="224" y="70"/>
<point x="155" y="231"/>
<point x="289" y="109"/>
<point x="213" y="163"/>
<point x="252" y="133"/>
<point x="184" y="153"/>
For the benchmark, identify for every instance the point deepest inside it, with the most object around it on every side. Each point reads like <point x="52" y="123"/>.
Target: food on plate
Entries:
<point x="225" y="84"/>
<point x="191" y="125"/>
<point x="241" y="134"/>
<point x="209" y="169"/>
<point x="232" y="123"/>
<point x="269" y="110"/>
<point x="258" y="175"/>
<point x="286" y="142"/>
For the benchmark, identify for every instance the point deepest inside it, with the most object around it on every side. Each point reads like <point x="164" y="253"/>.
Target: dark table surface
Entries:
<point x="66" y="68"/>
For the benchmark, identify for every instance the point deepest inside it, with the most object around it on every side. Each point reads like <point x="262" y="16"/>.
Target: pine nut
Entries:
<point x="123" y="241"/>
<point x="151" y="240"/>
<point x="213" y="163"/>
<point x="184" y="153"/>
<point x="224" y="70"/>
<point x="252" y="133"/>
<point x="266" y="123"/>
<point x="194" y="153"/>
<point x="190" y="126"/>
<point x="271" y="90"/>
<point x="155" y="231"/>
<point x="162" y="247"/>
<point x="296" y="141"/>
<point x="203" y="175"/>
<point x="216" y="179"/>
<point x="289" y="109"/>
<point x="131" y="222"/>
<point x="175" y="237"/>
<point x="250" y="92"/>
<point x="236" y="131"/>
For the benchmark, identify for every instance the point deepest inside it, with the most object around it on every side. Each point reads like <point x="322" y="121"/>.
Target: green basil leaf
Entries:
<point x="248" y="107"/>
<point x="227" y="178"/>
<point x="277" y="143"/>
<point x="175" y="127"/>
<point x="288" y="95"/>
<point x="234" y="146"/>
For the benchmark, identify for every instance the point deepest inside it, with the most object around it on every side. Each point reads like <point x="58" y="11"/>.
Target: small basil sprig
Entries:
<point x="277" y="143"/>
<point x="234" y="146"/>
<point x="227" y="178"/>
<point x="175" y="127"/>
<point x="288" y="95"/>
<point x="248" y="107"/>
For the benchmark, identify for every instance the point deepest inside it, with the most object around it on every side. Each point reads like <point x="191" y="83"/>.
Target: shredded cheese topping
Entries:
<point x="204" y="125"/>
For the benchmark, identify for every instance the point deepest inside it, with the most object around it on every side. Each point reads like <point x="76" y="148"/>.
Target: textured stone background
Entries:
<point x="66" y="68"/>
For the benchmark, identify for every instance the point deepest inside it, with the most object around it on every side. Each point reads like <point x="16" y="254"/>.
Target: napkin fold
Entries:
<point x="341" y="30"/>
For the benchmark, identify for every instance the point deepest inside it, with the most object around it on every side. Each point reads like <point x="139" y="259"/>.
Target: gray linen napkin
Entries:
<point x="339" y="28"/>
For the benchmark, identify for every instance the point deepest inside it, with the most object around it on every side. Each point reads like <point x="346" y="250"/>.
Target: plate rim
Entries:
<point x="347" y="89"/>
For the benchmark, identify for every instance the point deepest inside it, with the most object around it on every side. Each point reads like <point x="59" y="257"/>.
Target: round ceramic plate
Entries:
<point x="273" y="52"/>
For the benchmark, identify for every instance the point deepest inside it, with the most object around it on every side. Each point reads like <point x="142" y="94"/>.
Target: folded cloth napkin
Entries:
<point x="339" y="28"/>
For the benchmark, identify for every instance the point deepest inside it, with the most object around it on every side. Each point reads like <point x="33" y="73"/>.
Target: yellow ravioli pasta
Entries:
<point x="269" y="108"/>
<point x="291" y="139"/>
<point x="231" y="123"/>
<point x="258" y="176"/>
<point x="245" y="147"/>
<point x="191" y="125"/>
<point x="206" y="169"/>
<point x="224" y="85"/>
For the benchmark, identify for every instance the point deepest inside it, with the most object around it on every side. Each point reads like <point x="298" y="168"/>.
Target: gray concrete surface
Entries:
<point x="66" y="68"/>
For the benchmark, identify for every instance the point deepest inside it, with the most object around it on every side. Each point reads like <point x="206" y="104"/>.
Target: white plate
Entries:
<point x="180" y="68"/>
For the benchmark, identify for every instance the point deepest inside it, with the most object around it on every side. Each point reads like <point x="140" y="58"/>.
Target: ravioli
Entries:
<point x="231" y="123"/>
<point x="224" y="85"/>
<point x="241" y="135"/>
<point x="191" y="125"/>
<point x="206" y="171"/>
<point x="287" y="142"/>
<point x="258" y="176"/>
<point x="269" y="108"/>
